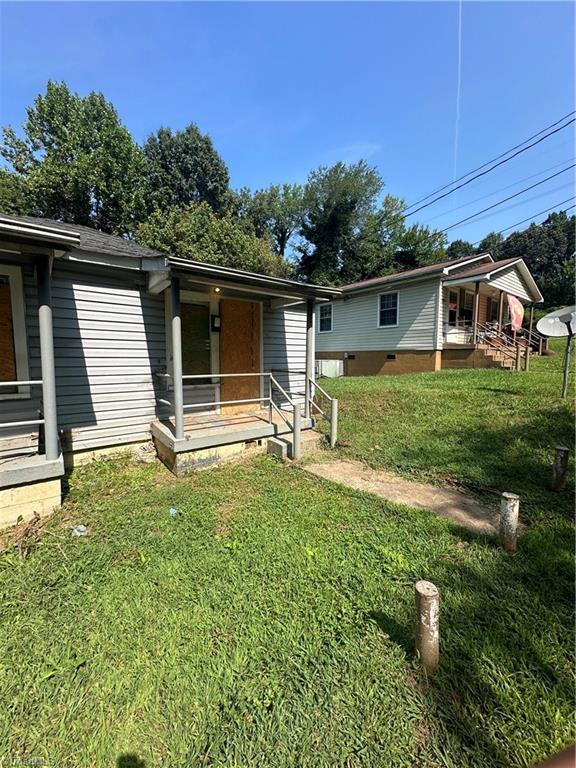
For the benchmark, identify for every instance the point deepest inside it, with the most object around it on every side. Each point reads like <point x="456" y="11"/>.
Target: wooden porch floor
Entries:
<point x="209" y="430"/>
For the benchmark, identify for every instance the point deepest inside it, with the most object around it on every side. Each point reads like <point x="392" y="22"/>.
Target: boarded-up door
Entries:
<point x="240" y="352"/>
<point x="7" y="352"/>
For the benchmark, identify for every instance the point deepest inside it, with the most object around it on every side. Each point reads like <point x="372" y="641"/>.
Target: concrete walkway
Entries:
<point x="444" y="502"/>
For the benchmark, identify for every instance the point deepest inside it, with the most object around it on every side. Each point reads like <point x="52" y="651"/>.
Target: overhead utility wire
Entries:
<point x="534" y="215"/>
<point x="501" y="189"/>
<point x="489" y="162"/>
<point x="488" y="170"/>
<point x="505" y="200"/>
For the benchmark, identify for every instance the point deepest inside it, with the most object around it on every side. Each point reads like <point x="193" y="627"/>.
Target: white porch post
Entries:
<point x="476" y="308"/>
<point x="47" y="359"/>
<point x="176" y="330"/>
<point x="309" y="356"/>
<point x="501" y="310"/>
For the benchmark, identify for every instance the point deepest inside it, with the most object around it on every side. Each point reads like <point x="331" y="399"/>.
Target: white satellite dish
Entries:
<point x="560" y="323"/>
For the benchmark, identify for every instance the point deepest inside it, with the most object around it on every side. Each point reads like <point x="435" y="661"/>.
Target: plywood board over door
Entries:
<point x="240" y="343"/>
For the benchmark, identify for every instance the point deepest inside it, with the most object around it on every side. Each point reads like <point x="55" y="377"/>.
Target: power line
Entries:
<point x="534" y="215"/>
<point x="505" y="200"/>
<point x="496" y="191"/>
<point x="492" y="167"/>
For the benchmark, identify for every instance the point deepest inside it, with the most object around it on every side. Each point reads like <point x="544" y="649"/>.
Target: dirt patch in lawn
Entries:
<point x="444" y="502"/>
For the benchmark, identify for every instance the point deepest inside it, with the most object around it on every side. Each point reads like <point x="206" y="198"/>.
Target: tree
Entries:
<point x="418" y="246"/>
<point x="275" y="212"/>
<point x="183" y="168"/>
<point x="79" y="164"/>
<point x="14" y="194"/>
<point x="196" y="232"/>
<point x="339" y="204"/>
<point x="459" y="249"/>
<point x="491" y="244"/>
<point x="548" y="250"/>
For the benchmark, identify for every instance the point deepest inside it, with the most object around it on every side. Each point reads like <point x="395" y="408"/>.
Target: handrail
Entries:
<point x="29" y="423"/>
<point x="21" y="383"/>
<point x="318" y="387"/>
<point x="282" y="390"/>
<point x="490" y="340"/>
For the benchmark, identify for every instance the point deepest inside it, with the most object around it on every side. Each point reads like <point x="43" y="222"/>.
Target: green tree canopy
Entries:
<point x="76" y="161"/>
<point x="459" y="249"/>
<point x="197" y="233"/>
<point x="183" y="168"/>
<point x="14" y="196"/>
<point x="491" y="244"/>
<point x="275" y="212"/>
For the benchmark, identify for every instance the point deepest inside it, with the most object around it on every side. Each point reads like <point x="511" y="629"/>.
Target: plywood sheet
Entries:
<point x="240" y="337"/>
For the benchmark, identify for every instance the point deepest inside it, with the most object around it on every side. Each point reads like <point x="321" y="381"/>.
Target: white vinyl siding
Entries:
<point x="285" y="347"/>
<point x="355" y="327"/>
<point x="511" y="281"/>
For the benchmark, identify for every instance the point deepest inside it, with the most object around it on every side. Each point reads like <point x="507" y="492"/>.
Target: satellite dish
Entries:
<point x="562" y="322"/>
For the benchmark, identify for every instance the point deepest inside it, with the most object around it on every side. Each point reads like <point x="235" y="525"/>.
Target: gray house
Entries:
<point x="104" y="344"/>
<point x="448" y="315"/>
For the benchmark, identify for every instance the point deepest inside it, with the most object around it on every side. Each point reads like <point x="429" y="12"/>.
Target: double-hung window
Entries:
<point x="325" y="318"/>
<point x="388" y="309"/>
<point x="13" y="346"/>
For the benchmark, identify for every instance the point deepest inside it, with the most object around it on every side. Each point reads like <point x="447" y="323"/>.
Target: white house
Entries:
<point x="448" y="315"/>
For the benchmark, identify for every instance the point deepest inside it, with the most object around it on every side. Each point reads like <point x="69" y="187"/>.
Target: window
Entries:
<point x="388" y="309"/>
<point x="13" y="347"/>
<point x="468" y="308"/>
<point x="325" y="318"/>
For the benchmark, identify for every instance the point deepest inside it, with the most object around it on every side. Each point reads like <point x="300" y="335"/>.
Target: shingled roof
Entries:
<point x="409" y="274"/>
<point x="91" y="240"/>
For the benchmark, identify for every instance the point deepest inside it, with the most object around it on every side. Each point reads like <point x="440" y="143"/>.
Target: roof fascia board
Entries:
<point x="38" y="232"/>
<point x="471" y="260"/>
<point x="212" y="274"/>
<point x="106" y="260"/>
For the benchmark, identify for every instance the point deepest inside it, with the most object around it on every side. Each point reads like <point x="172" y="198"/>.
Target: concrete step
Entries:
<point x="281" y="447"/>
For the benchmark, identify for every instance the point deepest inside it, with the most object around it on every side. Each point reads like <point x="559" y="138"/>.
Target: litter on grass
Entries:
<point x="172" y="512"/>
<point x="79" y="530"/>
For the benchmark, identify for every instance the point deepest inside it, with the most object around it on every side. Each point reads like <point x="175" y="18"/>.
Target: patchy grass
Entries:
<point x="269" y="623"/>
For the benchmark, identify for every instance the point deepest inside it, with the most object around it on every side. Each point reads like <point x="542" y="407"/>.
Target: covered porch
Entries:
<point x="240" y="363"/>
<point x="475" y="310"/>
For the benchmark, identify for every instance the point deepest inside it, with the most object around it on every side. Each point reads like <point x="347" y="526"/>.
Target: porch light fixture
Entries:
<point x="216" y="290"/>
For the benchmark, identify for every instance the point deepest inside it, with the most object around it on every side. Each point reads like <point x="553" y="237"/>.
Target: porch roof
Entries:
<point x="212" y="274"/>
<point x="492" y="272"/>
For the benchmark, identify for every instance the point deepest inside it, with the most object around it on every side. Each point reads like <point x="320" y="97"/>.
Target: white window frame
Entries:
<point x="320" y="308"/>
<point x="14" y="275"/>
<point x="378" y="303"/>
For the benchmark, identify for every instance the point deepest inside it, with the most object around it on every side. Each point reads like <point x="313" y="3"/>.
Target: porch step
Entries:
<point x="281" y="447"/>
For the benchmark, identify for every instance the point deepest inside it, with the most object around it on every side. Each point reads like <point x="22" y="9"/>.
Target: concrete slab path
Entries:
<point x="444" y="502"/>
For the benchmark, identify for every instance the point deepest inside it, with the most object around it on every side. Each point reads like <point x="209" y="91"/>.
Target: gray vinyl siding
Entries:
<point x="284" y="332"/>
<point x="355" y="318"/>
<point x="511" y="281"/>
<point x="108" y="344"/>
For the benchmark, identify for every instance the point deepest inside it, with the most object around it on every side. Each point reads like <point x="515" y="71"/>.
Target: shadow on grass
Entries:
<point x="494" y="619"/>
<point x="130" y="761"/>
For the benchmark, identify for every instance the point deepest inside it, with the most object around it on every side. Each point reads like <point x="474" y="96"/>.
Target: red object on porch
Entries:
<point x="516" y="312"/>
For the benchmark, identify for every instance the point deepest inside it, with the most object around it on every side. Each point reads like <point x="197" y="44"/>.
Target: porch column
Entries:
<point x="176" y="328"/>
<point x="309" y="355"/>
<point x="529" y="344"/>
<point x="47" y="359"/>
<point x="476" y="308"/>
<point x="500" y="310"/>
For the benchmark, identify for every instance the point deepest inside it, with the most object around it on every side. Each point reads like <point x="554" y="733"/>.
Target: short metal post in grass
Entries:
<point x="560" y="468"/>
<point x="333" y="423"/>
<point x="509" y="508"/>
<point x="428" y="625"/>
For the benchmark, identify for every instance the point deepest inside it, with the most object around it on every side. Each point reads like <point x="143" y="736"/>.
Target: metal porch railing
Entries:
<point x="266" y="399"/>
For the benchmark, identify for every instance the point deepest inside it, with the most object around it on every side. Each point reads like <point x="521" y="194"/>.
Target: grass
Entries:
<point x="269" y="623"/>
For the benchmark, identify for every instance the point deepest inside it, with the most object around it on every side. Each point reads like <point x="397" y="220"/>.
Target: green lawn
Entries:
<point x="269" y="623"/>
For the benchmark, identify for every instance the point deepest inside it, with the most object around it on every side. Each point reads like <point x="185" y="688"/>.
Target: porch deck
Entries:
<point x="211" y="430"/>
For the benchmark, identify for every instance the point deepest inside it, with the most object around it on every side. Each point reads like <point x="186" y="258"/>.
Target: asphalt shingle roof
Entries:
<point x="92" y="240"/>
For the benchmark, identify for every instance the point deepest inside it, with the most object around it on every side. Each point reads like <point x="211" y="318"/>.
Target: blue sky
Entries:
<point x="285" y="87"/>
